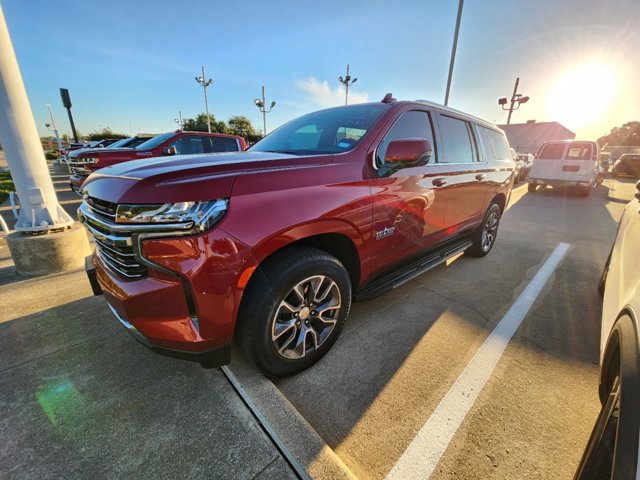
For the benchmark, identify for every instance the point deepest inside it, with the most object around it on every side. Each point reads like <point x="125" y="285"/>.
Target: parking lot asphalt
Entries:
<point x="81" y="398"/>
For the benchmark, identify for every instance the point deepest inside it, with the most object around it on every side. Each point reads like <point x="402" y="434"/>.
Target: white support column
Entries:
<point x="19" y="137"/>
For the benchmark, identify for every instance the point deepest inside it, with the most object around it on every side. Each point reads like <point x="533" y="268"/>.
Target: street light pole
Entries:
<point x="516" y="100"/>
<point x="55" y="128"/>
<point x="346" y="81"/>
<point x="453" y="52"/>
<point x="179" y="120"/>
<point x="262" y="106"/>
<point x="205" y="83"/>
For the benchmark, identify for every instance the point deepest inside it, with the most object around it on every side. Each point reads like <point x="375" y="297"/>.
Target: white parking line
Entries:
<point x="426" y="449"/>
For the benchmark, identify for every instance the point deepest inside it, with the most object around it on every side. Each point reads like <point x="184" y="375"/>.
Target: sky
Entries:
<point x="130" y="65"/>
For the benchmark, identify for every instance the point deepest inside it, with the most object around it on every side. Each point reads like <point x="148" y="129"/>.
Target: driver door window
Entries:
<point x="412" y="124"/>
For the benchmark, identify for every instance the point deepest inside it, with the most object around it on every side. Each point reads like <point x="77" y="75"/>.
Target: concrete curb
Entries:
<point x="292" y="429"/>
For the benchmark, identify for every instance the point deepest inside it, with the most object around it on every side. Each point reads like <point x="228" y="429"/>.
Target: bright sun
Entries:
<point x="582" y="96"/>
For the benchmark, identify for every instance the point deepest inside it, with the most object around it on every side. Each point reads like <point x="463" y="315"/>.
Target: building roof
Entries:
<point x="528" y="137"/>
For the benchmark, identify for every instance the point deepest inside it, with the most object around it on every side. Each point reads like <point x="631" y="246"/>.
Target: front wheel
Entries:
<point x="293" y="310"/>
<point x="485" y="236"/>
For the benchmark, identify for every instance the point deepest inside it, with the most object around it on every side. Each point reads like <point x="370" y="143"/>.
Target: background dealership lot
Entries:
<point x="84" y="396"/>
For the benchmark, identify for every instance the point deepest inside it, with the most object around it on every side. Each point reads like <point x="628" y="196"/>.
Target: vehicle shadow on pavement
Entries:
<point x="80" y="398"/>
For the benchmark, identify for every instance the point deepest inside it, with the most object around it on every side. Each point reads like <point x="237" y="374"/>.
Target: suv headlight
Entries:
<point x="89" y="160"/>
<point x="203" y="215"/>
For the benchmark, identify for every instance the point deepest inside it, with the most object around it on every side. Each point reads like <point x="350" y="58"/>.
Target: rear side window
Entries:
<point x="222" y="144"/>
<point x="580" y="151"/>
<point x="498" y="144"/>
<point x="552" y="151"/>
<point x="459" y="144"/>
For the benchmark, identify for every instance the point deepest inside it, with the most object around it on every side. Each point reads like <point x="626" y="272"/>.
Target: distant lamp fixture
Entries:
<point x="347" y="81"/>
<point x="204" y="83"/>
<point x="517" y="99"/>
<point x="260" y="103"/>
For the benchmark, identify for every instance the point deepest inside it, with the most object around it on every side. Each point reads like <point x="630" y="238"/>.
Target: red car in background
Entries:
<point x="171" y="143"/>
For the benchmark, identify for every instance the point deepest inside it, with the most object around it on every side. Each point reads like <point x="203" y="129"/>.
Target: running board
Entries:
<point x="411" y="271"/>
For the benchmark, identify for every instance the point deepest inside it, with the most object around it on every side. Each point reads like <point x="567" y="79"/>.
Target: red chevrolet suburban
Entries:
<point x="270" y="246"/>
<point x="172" y="143"/>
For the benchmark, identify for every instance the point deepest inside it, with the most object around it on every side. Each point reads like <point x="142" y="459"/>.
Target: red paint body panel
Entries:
<point x="275" y="199"/>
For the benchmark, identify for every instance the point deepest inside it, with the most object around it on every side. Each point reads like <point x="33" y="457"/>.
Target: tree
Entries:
<point x="241" y="125"/>
<point x="199" y="124"/>
<point x="627" y="135"/>
<point x="105" y="133"/>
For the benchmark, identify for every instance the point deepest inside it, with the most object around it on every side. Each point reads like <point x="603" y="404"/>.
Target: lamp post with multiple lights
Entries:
<point x="347" y="81"/>
<point x="517" y="99"/>
<point x="262" y="105"/>
<point x="205" y="83"/>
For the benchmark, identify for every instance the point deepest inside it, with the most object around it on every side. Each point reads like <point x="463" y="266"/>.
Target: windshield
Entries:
<point x="329" y="131"/>
<point x="155" y="141"/>
<point x="120" y="143"/>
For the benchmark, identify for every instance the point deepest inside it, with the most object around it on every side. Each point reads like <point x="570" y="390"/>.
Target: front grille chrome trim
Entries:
<point x="84" y="210"/>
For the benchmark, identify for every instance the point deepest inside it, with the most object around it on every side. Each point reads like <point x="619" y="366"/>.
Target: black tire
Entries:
<point x="262" y="310"/>
<point x="532" y="187"/>
<point x="481" y="245"/>
<point x="612" y="449"/>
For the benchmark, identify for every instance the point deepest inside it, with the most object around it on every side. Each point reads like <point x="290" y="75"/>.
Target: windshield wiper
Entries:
<point x="287" y="152"/>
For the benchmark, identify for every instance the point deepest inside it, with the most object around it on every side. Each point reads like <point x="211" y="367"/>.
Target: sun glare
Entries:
<point x="583" y="95"/>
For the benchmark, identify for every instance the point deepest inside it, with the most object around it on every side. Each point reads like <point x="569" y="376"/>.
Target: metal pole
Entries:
<point x="39" y="210"/>
<point x="55" y="128"/>
<point x="453" y="53"/>
<point x="513" y="100"/>
<point x="346" y="90"/>
<point x="206" y="102"/>
<point x="264" y="113"/>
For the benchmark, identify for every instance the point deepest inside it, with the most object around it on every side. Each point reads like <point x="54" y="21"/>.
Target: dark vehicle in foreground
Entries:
<point x="627" y="165"/>
<point x="270" y="246"/>
<point x="167" y="144"/>
<point x="613" y="450"/>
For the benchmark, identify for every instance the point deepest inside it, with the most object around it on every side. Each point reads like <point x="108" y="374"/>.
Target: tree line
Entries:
<point x="237" y="125"/>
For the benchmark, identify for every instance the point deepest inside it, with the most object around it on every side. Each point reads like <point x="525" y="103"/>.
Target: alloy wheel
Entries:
<point x="305" y="317"/>
<point x="490" y="230"/>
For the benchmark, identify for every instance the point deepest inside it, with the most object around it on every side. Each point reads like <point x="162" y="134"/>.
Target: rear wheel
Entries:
<point x="485" y="236"/>
<point x="532" y="187"/>
<point x="293" y="310"/>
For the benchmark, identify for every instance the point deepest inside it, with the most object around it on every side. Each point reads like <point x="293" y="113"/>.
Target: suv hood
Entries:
<point x="185" y="178"/>
<point x="96" y="152"/>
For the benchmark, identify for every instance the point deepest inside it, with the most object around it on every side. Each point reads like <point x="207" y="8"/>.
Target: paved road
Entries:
<point x="402" y="352"/>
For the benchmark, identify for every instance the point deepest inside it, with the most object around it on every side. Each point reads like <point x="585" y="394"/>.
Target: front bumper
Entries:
<point x="187" y="303"/>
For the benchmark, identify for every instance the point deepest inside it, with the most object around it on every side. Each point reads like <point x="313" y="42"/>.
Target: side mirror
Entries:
<point x="638" y="190"/>
<point x="408" y="151"/>
<point x="169" y="151"/>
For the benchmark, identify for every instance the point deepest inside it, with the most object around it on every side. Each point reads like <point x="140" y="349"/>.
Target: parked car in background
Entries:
<point x="566" y="163"/>
<point x="518" y="165"/>
<point x="627" y="165"/>
<point x="131" y="142"/>
<point x="269" y="246"/>
<point x="526" y="159"/>
<point x="167" y="144"/>
<point x="75" y="147"/>
<point x="613" y="448"/>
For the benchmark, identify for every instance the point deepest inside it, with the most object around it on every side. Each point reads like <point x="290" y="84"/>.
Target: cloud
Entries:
<point x="322" y="94"/>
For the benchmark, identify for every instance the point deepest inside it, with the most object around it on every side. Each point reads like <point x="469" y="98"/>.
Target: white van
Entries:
<point x="566" y="163"/>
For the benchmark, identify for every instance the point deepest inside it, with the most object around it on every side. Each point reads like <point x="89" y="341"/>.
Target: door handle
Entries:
<point x="439" y="182"/>
<point x="480" y="177"/>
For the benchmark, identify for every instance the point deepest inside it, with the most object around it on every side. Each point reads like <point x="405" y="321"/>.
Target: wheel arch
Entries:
<point x="612" y="358"/>
<point x="501" y="200"/>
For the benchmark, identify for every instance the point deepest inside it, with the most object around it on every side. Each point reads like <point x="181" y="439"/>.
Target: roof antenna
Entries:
<point x="388" y="98"/>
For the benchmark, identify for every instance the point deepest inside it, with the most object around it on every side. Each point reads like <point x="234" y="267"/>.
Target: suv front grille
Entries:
<point x="114" y="248"/>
